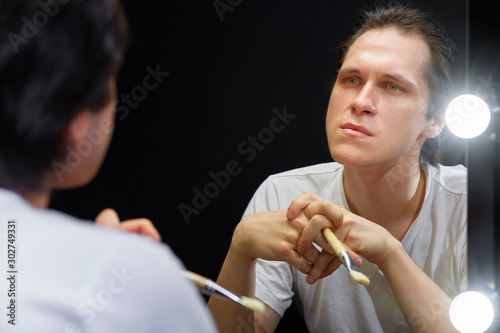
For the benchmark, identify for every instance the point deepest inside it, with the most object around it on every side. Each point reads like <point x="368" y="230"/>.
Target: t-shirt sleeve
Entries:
<point x="274" y="279"/>
<point x="274" y="282"/>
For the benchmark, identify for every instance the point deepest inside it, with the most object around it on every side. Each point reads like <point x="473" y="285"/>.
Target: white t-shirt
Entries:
<point x="72" y="276"/>
<point x="436" y="241"/>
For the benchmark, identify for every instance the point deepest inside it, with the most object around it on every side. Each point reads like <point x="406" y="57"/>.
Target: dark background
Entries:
<point x="227" y="72"/>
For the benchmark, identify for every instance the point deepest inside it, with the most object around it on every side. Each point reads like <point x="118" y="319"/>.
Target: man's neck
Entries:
<point x="40" y="199"/>
<point x="391" y="197"/>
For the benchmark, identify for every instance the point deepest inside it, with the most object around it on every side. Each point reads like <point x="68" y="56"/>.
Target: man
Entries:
<point x="58" y="66"/>
<point x="402" y="216"/>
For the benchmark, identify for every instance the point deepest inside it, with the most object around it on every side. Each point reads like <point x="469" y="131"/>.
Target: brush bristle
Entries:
<point x="252" y="304"/>
<point x="360" y="277"/>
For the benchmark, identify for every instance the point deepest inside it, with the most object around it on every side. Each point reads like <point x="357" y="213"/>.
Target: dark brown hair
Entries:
<point x="54" y="61"/>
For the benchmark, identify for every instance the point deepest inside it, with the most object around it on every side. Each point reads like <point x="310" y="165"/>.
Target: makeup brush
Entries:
<point x="209" y="288"/>
<point x="346" y="259"/>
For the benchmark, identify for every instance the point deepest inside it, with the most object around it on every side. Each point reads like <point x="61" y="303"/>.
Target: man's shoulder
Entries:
<point x="279" y="189"/>
<point x="450" y="178"/>
<point x="61" y="237"/>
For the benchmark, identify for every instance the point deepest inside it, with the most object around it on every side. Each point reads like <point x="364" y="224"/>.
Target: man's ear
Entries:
<point x="74" y="131"/>
<point x="433" y="127"/>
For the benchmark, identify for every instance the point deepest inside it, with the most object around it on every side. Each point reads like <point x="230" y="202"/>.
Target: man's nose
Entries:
<point x="365" y="100"/>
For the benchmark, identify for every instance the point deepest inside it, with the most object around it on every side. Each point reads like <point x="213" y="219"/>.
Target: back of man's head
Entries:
<point x="56" y="58"/>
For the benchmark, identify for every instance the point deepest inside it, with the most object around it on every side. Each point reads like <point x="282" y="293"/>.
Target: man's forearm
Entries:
<point x="423" y="303"/>
<point x="238" y="276"/>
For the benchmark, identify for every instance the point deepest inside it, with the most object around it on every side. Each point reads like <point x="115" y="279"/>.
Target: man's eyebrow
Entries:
<point x="349" y="70"/>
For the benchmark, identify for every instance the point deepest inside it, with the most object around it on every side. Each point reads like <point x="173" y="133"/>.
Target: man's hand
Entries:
<point x="109" y="218"/>
<point x="364" y="237"/>
<point x="271" y="236"/>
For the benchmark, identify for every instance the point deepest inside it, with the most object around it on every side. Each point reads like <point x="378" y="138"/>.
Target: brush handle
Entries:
<point x="196" y="278"/>
<point x="338" y="247"/>
<point x="346" y="259"/>
<point x="210" y="288"/>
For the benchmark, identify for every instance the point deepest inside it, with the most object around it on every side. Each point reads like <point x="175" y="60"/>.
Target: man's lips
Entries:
<point x="355" y="130"/>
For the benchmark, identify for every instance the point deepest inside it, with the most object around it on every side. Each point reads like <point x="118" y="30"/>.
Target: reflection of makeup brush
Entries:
<point x="210" y="288"/>
<point x="346" y="259"/>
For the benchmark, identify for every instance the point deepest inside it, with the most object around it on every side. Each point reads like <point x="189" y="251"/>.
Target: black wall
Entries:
<point x="228" y="69"/>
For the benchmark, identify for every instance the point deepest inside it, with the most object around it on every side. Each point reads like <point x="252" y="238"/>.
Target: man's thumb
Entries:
<point x="109" y="218"/>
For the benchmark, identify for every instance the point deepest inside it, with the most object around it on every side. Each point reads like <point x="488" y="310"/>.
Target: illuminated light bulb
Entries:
<point x="467" y="116"/>
<point x="471" y="312"/>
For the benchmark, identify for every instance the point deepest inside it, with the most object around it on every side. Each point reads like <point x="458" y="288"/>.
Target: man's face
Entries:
<point x="378" y="106"/>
